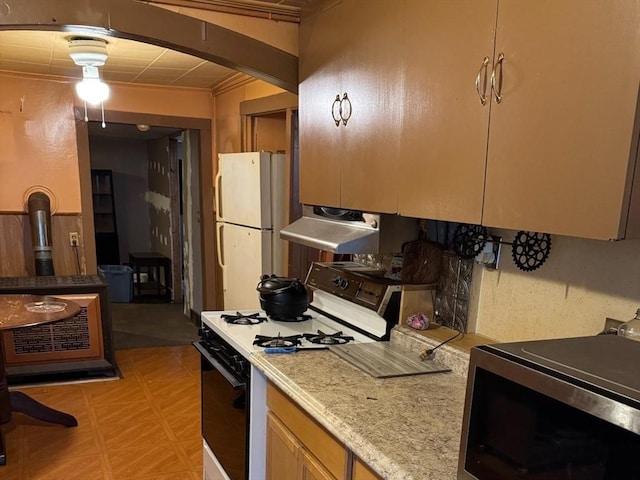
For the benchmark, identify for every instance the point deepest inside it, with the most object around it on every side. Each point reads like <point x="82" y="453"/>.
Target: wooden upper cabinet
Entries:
<point x="374" y="84"/>
<point x="322" y="40"/>
<point x="350" y="48"/>
<point x="562" y="142"/>
<point x="444" y="129"/>
<point x="552" y="149"/>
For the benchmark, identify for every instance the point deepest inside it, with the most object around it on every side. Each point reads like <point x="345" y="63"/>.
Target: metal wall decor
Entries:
<point x="454" y="292"/>
<point x="528" y="249"/>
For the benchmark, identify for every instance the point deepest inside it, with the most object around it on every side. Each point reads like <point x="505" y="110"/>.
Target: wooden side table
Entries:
<point x="14" y="314"/>
<point x="158" y="284"/>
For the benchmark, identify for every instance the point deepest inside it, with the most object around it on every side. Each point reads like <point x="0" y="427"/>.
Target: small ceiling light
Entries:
<point x="90" y="53"/>
<point x="143" y="127"/>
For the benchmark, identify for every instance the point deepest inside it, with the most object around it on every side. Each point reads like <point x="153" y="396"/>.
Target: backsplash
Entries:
<point x="454" y="292"/>
<point x="581" y="283"/>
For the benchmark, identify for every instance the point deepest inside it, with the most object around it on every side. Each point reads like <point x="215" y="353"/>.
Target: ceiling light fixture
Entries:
<point x="90" y="53"/>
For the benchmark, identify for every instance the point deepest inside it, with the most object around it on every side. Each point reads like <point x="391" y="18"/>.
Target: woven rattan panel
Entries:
<point x="62" y="336"/>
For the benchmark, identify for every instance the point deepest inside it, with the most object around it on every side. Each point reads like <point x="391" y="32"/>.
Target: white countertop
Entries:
<point x="404" y="428"/>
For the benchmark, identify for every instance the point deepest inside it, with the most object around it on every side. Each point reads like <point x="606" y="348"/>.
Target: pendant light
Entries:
<point x="90" y="53"/>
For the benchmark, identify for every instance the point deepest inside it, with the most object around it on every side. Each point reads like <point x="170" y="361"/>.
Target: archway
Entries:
<point x="137" y="21"/>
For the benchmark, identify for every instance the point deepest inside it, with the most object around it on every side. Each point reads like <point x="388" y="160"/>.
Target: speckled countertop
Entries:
<point x="404" y="428"/>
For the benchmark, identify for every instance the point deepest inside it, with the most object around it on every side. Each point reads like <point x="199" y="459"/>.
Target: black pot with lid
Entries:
<point x="282" y="298"/>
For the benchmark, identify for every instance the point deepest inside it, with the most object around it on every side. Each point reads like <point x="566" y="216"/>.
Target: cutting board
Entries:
<point x="383" y="360"/>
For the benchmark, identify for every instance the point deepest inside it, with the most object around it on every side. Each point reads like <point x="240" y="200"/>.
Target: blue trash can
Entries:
<point x="120" y="280"/>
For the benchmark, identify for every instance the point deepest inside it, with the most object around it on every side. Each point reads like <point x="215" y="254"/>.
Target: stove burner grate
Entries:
<point x="328" y="339"/>
<point x="269" y="342"/>
<point x="299" y="318"/>
<point x="241" y="319"/>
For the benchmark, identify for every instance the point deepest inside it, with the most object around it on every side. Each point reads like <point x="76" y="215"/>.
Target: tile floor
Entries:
<point x="145" y="426"/>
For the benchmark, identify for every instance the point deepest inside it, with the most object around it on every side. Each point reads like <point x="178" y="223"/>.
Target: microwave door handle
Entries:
<point x="215" y="364"/>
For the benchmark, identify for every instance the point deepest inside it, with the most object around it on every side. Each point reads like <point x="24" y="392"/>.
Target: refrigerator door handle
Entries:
<point x="217" y="193"/>
<point x="219" y="244"/>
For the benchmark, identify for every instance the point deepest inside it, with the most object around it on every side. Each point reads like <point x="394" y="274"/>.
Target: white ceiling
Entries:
<point x="46" y="52"/>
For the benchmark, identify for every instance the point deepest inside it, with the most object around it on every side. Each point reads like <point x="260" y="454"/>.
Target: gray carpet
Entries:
<point x="137" y="325"/>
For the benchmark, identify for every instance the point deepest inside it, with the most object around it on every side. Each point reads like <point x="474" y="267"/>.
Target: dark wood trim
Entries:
<point x="211" y="274"/>
<point x="176" y="245"/>
<point x="145" y="23"/>
<point x="87" y="239"/>
<point x="270" y="104"/>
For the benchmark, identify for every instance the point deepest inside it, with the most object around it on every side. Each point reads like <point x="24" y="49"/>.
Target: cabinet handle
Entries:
<point x="345" y="109"/>
<point x="336" y="110"/>
<point x="497" y="91"/>
<point x="482" y="95"/>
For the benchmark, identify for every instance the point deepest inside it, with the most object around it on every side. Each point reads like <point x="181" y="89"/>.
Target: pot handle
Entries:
<point x="270" y="291"/>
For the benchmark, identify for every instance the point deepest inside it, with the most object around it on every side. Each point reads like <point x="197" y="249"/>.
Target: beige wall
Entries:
<point x="227" y="113"/>
<point x="38" y="144"/>
<point x="581" y="283"/>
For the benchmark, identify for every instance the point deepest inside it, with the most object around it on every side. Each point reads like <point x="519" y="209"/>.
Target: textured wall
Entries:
<point x="38" y="144"/>
<point x="581" y="283"/>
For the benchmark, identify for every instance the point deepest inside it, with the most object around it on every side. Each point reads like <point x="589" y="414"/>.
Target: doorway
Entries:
<point x="157" y="204"/>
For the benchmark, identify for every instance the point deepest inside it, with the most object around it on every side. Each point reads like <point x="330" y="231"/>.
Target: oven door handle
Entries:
<point x="218" y="366"/>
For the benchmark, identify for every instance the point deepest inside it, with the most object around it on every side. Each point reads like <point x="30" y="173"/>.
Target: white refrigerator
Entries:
<point x="250" y="211"/>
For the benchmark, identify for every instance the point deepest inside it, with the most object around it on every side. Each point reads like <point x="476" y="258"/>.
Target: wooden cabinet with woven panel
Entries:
<point x="80" y="347"/>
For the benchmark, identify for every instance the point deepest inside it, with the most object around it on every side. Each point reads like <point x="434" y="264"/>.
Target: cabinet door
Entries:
<point x="312" y="469"/>
<point x="283" y="452"/>
<point x="363" y="472"/>
<point x="444" y="128"/>
<point x="350" y="47"/>
<point x="373" y="81"/>
<point x="323" y="41"/>
<point x="562" y="137"/>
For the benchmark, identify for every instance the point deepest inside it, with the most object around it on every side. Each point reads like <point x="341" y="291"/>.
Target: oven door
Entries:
<point x="225" y="419"/>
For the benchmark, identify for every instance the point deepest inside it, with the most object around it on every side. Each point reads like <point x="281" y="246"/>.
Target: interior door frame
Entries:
<point x="211" y="275"/>
<point x="298" y="257"/>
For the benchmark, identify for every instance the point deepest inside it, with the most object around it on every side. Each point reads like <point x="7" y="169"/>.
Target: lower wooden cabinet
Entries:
<point x="283" y="451"/>
<point x="362" y="472"/>
<point x="287" y="459"/>
<point x="297" y="446"/>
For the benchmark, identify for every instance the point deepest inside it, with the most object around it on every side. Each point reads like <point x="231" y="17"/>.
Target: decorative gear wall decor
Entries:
<point x="469" y="240"/>
<point x="530" y="250"/>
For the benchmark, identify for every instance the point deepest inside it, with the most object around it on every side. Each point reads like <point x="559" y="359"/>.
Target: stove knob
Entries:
<point x="336" y="281"/>
<point x="344" y="284"/>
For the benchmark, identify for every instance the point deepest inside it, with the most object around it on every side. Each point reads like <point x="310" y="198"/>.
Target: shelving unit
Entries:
<point x="151" y="276"/>
<point x="104" y="218"/>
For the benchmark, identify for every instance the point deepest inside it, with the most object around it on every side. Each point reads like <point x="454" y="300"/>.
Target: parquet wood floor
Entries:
<point x="145" y="426"/>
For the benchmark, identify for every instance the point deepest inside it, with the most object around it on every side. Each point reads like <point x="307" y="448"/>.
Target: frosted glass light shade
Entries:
<point x="92" y="90"/>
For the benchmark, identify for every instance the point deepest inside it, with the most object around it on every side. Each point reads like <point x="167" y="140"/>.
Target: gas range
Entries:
<point x="346" y="299"/>
<point x="242" y="337"/>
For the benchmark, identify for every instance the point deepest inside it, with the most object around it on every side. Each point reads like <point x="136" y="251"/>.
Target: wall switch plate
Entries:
<point x="74" y="239"/>
<point x="490" y="254"/>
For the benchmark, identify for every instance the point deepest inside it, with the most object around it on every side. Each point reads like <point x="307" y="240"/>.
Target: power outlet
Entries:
<point x="74" y="239"/>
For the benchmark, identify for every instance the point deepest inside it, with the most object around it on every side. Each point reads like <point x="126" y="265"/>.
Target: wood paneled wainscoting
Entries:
<point x="16" y="247"/>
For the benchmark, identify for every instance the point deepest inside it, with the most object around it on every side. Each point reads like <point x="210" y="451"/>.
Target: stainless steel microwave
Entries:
<point x="565" y="409"/>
